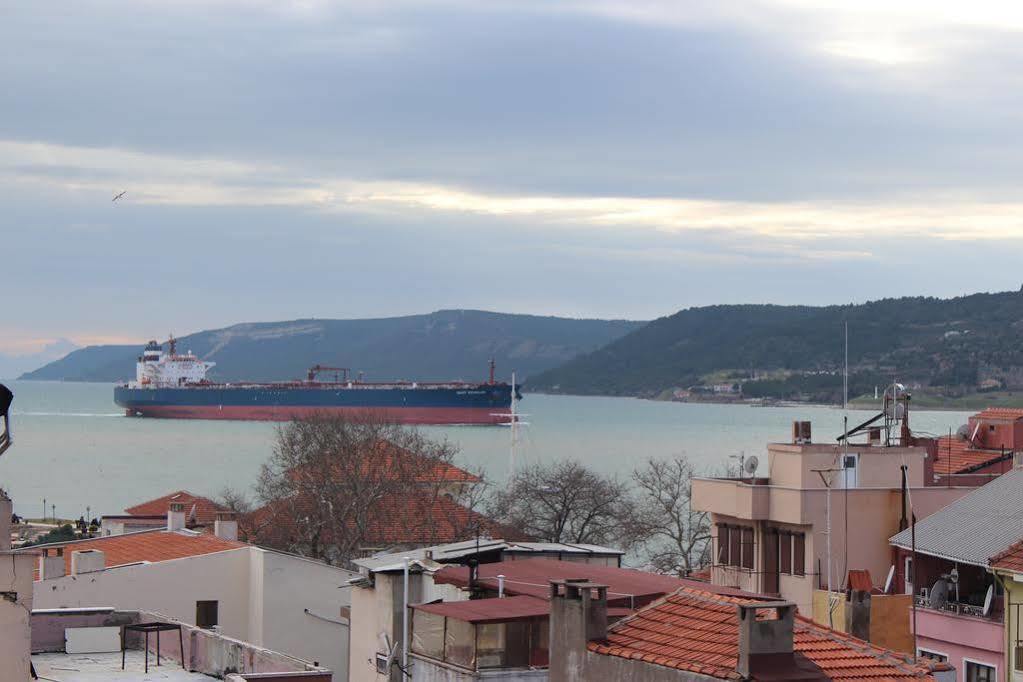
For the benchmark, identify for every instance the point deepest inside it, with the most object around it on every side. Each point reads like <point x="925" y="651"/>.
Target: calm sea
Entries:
<point x="74" y="448"/>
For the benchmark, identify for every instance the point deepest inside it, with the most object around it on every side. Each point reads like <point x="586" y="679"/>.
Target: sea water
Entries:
<point x="74" y="447"/>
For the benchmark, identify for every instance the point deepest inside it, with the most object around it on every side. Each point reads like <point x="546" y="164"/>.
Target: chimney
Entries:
<point x="51" y="567"/>
<point x="765" y="646"/>
<point x="87" y="561"/>
<point x="176" y="516"/>
<point x="578" y="616"/>
<point x="225" y="526"/>
<point x="800" y="433"/>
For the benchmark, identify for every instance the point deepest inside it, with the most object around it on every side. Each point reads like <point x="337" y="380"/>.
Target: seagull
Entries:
<point x="119" y="195"/>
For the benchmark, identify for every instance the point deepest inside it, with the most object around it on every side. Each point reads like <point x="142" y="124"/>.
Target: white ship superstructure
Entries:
<point x="155" y="369"/>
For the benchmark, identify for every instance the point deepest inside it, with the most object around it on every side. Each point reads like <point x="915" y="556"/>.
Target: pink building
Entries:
<point x="960" y="604"/>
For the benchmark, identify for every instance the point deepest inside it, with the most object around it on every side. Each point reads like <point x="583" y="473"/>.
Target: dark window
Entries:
<point x="940" y="658"/>
<point x="382" y="664"/>
<point x="978" y="672"/>
<point x="771" y="562"/>
<point x="734" y="546"/>
<point x="785" y="552"/>
<point x="722" y="545"/>
<point x="798" y="554"/>
<point x="747" y="548"/>
<point x="206" y="614"/>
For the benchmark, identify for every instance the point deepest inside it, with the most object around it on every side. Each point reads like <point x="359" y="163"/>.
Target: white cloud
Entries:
<point x="170" y="180"/>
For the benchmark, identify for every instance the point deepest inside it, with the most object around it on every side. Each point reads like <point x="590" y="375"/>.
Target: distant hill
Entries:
<point x="948" y="346"/>
<point x="445" y="345"/>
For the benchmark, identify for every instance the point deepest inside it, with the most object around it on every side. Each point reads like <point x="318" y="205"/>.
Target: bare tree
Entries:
<point x="676" y="537"/>
<point x="335" y="485"/>
<point x="234" y="500"/>
<point x="566" y="502"/>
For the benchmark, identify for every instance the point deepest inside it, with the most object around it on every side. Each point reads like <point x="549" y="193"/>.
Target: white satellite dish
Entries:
<point x="750" y="465"/>
<point x="889" y="579"/>
<point x="988" y="598"/>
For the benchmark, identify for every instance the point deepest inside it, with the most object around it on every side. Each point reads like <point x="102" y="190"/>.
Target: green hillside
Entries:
<point x="949" y="347"/>
<point x="448" y="344"/>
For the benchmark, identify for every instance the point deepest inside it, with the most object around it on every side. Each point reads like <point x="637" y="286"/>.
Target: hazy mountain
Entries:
<point x="953" y="346"/>
<point x="14" y="365"/>
<point x="448" y="344"/>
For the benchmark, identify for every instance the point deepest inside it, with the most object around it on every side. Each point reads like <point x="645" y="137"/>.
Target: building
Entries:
<point x="271" y="599"/>
<point x="200" y="512"/>
<point x="693" y="635"/>
<point x="1008" y="567"/>
<point x="84" y="645"/>
<point x="982" y="449"/>
<point x="502" y="631"/>
<point x="769" y="533"/>
<point x="16" y="600"/>
<point x="960" y="613"/>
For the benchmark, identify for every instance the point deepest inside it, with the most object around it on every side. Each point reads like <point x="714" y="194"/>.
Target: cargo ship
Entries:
<point x="172" y="385"/>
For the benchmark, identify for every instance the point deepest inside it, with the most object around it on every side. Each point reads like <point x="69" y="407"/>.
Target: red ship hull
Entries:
<point x="405" y="415"/>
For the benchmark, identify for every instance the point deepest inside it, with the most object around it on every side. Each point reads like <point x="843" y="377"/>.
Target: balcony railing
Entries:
<point x="959" y="608"/>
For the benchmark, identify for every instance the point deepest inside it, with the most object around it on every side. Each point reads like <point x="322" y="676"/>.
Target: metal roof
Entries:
<point x="432" y="557"/>
<point x="496" y="610"/>
<point x="975" y="527"/>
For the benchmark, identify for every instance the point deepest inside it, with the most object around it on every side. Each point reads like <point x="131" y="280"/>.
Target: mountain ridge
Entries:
<point x="442" y="345"/>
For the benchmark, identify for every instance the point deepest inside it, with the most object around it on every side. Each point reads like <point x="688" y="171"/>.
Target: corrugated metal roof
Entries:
<point x="975" y="527"/>
<point x="496" y="610"/>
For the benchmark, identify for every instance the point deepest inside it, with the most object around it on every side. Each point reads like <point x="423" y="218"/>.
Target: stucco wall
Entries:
<point x="960" y="638"/>
<point x="261" y="598"/>
<point x="15" y="628"/>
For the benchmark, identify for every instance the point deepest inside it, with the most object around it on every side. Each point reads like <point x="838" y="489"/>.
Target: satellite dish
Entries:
<point x="988" y="599"/>
<point x="889" y="579"/>
<point x="938" y="594"/>
<point x="963" y="431"/>
<point x="750" y="465"/>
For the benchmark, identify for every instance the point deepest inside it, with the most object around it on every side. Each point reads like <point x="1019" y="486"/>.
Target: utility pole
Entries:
<point x="832" y="602"/>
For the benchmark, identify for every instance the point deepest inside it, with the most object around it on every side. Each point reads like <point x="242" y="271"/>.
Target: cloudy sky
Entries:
<point x="583" y="158"/>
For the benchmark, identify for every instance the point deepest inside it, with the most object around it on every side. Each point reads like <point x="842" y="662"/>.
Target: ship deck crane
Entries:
<point x="339" y="372"/>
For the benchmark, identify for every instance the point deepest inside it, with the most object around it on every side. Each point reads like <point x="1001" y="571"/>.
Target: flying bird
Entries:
<point x="119" y="195"/>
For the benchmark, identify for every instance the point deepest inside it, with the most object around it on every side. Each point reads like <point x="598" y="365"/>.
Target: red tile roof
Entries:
<point x="146" y="545"/>
<point x="697" y="631"/>
<point x="957" y="456"/>
<point x="200" y="509"/>
<point x="1000" y="413"/>
<point x="1010" y="559"/>
<point x="626" y="587"/>
<point x="494" y="610"/>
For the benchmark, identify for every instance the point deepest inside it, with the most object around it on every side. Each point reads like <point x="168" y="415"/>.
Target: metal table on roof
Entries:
<point x="146" y="628"/>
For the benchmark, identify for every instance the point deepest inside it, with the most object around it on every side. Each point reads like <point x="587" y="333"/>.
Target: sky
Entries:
<point x="581" y="158"/>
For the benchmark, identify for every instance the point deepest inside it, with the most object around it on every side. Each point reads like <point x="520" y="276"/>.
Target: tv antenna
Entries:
<point x="514" y="421"/>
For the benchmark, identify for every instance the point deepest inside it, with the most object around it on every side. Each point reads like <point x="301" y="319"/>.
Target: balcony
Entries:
<point x="748" y="498"/>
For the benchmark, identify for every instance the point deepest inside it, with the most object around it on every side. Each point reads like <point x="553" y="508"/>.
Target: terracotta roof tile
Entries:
<point x="1011" y="559"/>
<point x="200" y="509"/>
<point x="1000" y="413"/>
<point x="956" y="456"/>
<point x="697" y="631"/>
<point x="146" y="545"/>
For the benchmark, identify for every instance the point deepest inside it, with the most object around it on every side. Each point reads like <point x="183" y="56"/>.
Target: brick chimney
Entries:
<point x="578" y="616"/>
<point x="176" y="516"/>
<point x="225" y="526"/>
<point x="765" y="646"/>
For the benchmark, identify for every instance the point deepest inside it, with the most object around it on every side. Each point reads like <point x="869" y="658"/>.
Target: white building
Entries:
<point x="272" y="599"/>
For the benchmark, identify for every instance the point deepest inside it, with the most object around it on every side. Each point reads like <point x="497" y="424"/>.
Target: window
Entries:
<point x="206" y="614"/>
<point x="382" y="664"/>
<point x="933" y="655"/>
<point x="785" y="552"/>
<point x="747" y="548"/>
<point x="722" y="545"/>
<point x="734" y="546"/>
<point x="978" y="672"/>
<point x="798" y="554"/>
